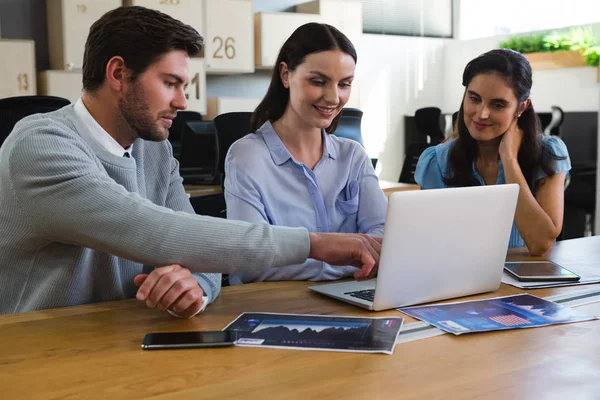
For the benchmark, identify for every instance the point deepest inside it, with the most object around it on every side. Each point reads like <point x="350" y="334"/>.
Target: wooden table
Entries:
<point x="201" y="190"/>
<point x="390" y="187"/>
<point x="387" y="187"/>
<point x="93" y="351"/>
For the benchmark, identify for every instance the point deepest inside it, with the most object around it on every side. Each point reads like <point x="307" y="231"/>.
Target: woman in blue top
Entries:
<point x="499" y="141"/>
<point x="291" y="171"/>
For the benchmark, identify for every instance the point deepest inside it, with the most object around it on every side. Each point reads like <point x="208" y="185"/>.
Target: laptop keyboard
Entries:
<point x="367" y="294"/>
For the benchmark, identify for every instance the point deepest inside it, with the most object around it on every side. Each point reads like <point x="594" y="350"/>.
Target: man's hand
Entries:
<point x="170" y="288"/>
<point x="358" y="250"/>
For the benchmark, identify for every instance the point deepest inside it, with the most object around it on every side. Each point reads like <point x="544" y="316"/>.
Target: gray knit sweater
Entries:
<point x="77" y="223"/>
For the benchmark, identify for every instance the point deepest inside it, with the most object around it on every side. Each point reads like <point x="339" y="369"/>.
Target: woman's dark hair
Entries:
<point x="139" y="35"/>
<point x="515" y="69"/>
<point x="307" y="39"/>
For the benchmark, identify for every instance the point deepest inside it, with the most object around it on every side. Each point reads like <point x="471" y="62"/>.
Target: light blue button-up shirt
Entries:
<point x="433" y="167"/>
<point x="264" y="183"/>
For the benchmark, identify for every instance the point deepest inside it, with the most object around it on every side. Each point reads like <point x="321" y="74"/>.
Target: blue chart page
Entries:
<point x="520" y="311"/>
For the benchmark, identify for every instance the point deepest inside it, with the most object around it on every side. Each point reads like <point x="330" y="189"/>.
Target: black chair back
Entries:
<point x="545" y="119"/>
<point x="212" y="205"/>
<point x="230" y="127"/>
<point x="199" y="153"/>
<point x="428" y="123"/>
<point x="13" y="109"/>
<point x="580" y="201"/>
<point x="581" y="191"/>
<point x="176" y="130"/>
<point x="407" y="175"/>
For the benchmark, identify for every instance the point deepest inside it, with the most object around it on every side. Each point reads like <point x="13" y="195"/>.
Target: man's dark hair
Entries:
<point x="140" y="36"/>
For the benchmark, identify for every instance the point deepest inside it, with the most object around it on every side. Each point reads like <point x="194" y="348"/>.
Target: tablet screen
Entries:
<point x="539" y="269"/>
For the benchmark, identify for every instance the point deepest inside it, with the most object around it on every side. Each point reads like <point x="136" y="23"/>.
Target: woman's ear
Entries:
<point x="523" y="106"/>
<point x="284" y="74"/>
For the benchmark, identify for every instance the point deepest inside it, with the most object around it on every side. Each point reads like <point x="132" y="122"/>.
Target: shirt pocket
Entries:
<point x="347" y="200"/>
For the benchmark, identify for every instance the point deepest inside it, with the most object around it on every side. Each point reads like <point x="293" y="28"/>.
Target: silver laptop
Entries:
<point x="438" y="244"/>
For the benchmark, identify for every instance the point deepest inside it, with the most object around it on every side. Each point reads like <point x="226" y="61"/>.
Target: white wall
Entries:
<point x="597" y="224"/>
<point x="572" y="89"/>
<point x="245" y="85"/>
<point x="396" y="75"/>
<point x="480" y="19"/>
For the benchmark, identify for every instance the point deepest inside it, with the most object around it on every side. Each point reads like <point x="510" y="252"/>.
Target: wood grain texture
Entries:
<point x="93" y="351"/>
<point x="555" y="59"/>
<point x="387" y="187"/>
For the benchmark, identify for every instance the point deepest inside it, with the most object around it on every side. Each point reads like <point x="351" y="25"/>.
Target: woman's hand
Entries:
<point x="511" y="142"/>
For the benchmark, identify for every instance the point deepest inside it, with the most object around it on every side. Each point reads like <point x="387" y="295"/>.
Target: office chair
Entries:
<point x="553" y="127"/>
<point x="580" y="201"/>
<point x="349" y="125"/>
<point x="551" y="121"/>
<point x="199" y="153"/>
<point x="176" y="129"/>
<point x="454" y="118"/>
<point x="230" y="127"/>
<point x="427" y="121"/>
<point x="212" y="205"/>
<point x="407" y="175"/>
<point x="13" y="109"/>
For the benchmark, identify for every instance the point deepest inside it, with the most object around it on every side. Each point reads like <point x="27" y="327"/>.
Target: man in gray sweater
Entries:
<point x="91" y="193"/>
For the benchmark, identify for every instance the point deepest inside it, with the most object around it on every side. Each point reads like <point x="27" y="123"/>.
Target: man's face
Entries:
<point x="151" y="101"/>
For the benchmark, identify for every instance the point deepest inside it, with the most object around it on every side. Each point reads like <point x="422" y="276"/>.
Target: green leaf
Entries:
<point x="580" y="39"/>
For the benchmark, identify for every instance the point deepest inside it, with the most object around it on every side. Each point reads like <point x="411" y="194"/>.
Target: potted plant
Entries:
<point x="560" y="49"/>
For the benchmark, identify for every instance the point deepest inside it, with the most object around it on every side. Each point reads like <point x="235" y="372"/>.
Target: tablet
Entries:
<point x="531" y="271"/>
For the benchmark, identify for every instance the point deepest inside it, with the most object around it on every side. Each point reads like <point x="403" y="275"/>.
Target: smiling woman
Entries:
<point x="499" y="141"/>
<point x="291" y="171"/>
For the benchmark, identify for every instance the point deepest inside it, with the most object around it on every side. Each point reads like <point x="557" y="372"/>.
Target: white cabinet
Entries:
<point x="271" y="30"/>
<point x="187" y="11"/>
<point x="222" y="105"/>
<point x="69" y="22"/>
<point x="196" y="90"/>
<point x="17" y="68"/>
<point x="229" y="38"/>
<point x="66" y="84"/>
